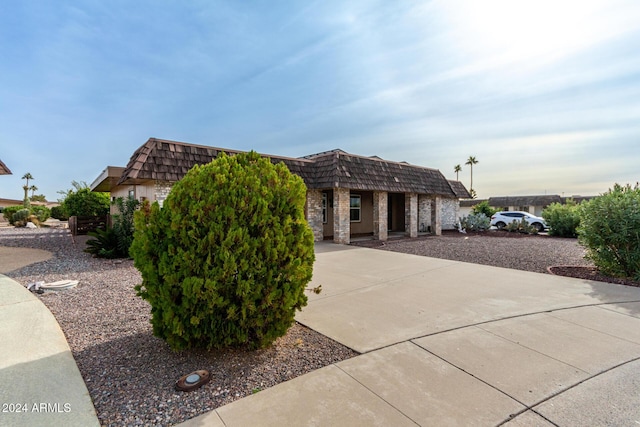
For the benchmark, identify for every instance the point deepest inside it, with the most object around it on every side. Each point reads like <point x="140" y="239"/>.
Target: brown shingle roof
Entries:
<point x="545" y="200"/>
<point x="459" y="189"/>
<point x="4" y="170"/>
<point x="166" y="160"/>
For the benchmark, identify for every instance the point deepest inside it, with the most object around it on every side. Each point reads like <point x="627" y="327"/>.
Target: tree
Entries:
<point x="457" y="169"/>
<point x="33" y="190"/>
<point x="226" y="260"/>
<point x="471" y="161"/>
<point x="39" y="198"/>
<point x="26" y="188"/>
<point x="85" y="202"/>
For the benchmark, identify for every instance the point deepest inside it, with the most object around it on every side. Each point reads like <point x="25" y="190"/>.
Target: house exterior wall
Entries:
<point x="380" y="215"/>
<point x="424" y="213"/>
<point x="365" y="225"/>
<point x="161" y="190"/>
<point x="314" y="213"/>
<point x="449" y="213"/>
<point x="411" y="214"/>
<point x="341" y="219"/>
<point x="436" y="215"/>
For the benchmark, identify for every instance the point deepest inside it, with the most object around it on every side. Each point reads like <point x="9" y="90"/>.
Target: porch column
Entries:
<point x="380" y="215"/>
<point x="341" y="216"/>
<point x="411" y="214"/>
<point x="314" y="213"/>
<point x="436" y="215"/>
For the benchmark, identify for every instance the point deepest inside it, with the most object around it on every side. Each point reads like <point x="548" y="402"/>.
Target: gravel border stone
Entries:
<point x="130" y="374"/>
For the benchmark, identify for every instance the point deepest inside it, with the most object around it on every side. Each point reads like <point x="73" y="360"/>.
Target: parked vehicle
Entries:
<point x="501" y="219"/>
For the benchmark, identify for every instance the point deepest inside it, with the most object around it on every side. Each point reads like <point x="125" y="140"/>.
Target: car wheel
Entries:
<point x="500" y="225"/>
<point x="537" y="226"/>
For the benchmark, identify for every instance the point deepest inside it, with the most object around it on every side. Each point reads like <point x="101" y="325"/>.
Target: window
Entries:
<point x="324" y="208"/>
<point x="355" y="207"/>
<point x="132" y="194"/>
<point x="523" y="208"/>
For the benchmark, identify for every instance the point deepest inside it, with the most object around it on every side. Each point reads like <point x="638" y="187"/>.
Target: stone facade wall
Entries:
<point x="411" y="214"/>
<point x="161" y="191"/>
<point x="380" y="215"/>
<point x="424" y="213"/>
<point x="314" y="213"/>
<point x="341" y="216"/>
<point x="450" y="213"/>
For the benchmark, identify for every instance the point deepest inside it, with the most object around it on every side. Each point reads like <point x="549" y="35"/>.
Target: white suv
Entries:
<point x="501" y="219"/>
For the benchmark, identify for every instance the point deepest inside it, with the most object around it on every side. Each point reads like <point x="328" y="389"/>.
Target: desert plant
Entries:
<point x="563" y="220"/>
<point x="610" y="230"/>
<point x="115" y="241"/>
<point x="484" y="208"/>
<point x="21" y="217"/>
<point x="104" y="244"/>
<point x="475" y="222"/>
<point x="9" y="211"/>
<point x="226" y="260"/>
<point x="521" y="226"/>
<point x="41" y="212"/>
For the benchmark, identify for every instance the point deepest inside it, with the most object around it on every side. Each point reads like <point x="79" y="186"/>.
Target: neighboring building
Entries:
<point x="532" y="204"/>
<point x="4" y="170"/>
<point x="347" y="195"/>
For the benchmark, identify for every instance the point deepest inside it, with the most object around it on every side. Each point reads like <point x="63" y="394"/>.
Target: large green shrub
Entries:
<point x="563" y="220"/>
<point x="225" y="261"/>
<point x="85" y="202"/>
<point x="610" y="230"/>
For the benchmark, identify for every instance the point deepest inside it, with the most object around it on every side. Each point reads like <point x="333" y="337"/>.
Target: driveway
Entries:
<point x="449" y="343"/>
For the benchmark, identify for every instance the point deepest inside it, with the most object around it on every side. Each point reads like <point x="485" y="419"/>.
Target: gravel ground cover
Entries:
<point x="130" y="373"/>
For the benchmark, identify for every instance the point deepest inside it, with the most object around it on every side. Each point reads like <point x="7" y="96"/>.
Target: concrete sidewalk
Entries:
<point x="450" y="343"/>
<point x="40" y="384"/>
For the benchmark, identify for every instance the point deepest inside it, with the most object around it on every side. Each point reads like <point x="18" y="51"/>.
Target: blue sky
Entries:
<point x="545" y="94"/>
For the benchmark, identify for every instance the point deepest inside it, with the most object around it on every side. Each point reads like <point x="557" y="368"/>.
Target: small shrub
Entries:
<point x="21" y="217"/>
<point x="610" y="230"/>
<point x="226" y="260"/>
<point x="563" y="220"/>
<point x="9" y="211"/>
<point x="484" y="208"/>
<point x="104" y="244"/>
<point x="58" y="212"/>
<point x="521" y="226"/>
<point x="475" y="222"/>
<point x="116" y="240"/>
<point x="41" y="212"/>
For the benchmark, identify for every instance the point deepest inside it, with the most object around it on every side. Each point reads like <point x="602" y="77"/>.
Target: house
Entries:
<point x="347" y="195"/>
<point x="532" y="204"/>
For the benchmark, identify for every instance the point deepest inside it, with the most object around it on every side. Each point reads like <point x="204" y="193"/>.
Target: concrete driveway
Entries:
<point x="450" y="343"/>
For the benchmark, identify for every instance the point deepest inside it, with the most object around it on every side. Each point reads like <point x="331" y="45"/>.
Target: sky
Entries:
<point x="545" y="94"/>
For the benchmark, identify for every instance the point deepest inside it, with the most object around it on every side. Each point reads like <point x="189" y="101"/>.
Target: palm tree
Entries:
<point x="33" y="189"/>
<point x="471" y="161"/>
<point x="27" y="176"/>
<point x="457" y="169"/>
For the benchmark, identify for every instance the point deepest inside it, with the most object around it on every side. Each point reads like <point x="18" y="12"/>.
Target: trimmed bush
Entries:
<point x="610" y="230"/>
<point x="475" y="222"/>
<point x="226" y="260"/>
<point x="85" y="202"/>
<point x="563" y="220"/>
<point x="58" y="212"/>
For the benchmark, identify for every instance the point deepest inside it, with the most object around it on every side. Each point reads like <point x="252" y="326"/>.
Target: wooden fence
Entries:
<point x="80" y="225"/>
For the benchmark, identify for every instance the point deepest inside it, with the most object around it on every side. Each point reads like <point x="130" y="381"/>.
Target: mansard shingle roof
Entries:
<point x="165" y="160"/>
